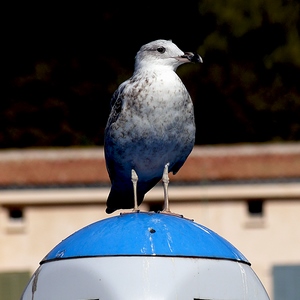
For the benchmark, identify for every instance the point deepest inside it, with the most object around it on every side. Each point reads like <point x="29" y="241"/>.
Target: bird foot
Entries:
<point x="174" y="214"/>
<point x="130" y="212"/>
<point x="168" y="212"/>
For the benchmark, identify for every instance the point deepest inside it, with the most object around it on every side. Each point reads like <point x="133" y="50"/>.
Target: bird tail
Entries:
<point x="121" y="200"/>
<point x="121" y="196"/>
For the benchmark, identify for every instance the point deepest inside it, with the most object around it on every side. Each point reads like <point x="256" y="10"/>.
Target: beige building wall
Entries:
<point x="215" y="186"/>
<point x="49" y="216"/>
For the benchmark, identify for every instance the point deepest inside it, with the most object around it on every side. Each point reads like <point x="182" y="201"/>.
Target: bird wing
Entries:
<point x="116" y="104"/>
<point x="116" y="110"/>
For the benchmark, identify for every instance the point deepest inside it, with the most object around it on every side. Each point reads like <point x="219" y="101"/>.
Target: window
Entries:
<point x="15" y="213"/>
<point x="255" y="213"/>
<point x="15" y="220"/>
<point x="13" y="284"/>
<point x="286" y="282"/>
<point x="255" y="207"/>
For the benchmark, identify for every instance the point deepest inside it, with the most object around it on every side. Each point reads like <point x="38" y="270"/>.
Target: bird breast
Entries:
<point x="155" y="105"/>
<point x="156" y="121"/>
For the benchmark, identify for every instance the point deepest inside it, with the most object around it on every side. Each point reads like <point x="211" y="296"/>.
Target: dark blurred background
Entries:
<point x="62" y="63"/>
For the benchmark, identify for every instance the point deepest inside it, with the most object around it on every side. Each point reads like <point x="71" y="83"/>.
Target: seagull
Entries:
<point x="151" y="129"/>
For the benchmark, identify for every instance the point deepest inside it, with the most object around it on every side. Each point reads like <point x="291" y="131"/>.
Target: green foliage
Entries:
<point x="61" y="68"/>
<point x="253" y="64"/>
<point x="235" y="19"/>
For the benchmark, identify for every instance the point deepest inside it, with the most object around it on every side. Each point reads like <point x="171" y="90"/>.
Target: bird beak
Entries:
<point x="190" y="57"/>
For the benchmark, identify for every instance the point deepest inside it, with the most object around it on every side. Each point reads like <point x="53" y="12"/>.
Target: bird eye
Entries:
<point x="161" y="49"/>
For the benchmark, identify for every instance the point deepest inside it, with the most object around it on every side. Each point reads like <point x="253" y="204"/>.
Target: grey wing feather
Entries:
<point x="117" y="93"/>
<point x="116" y="107"/>
<point x="115" y="111"/>
<point x="116" y="103"/>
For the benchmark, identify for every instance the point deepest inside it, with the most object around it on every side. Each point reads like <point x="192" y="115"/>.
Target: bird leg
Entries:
<point x="134" y="179"/>
<point x="166" y="180"/>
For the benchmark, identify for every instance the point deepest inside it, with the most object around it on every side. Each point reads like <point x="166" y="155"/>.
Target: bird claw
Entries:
<point x="174" y="214"/>
<point x="168" y="212"/>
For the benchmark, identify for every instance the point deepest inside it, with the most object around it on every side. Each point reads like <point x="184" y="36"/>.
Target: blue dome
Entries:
<point x="147" y="234"/>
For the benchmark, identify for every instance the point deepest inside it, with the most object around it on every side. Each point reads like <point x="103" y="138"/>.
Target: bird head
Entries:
<point x="163" y="53"/>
